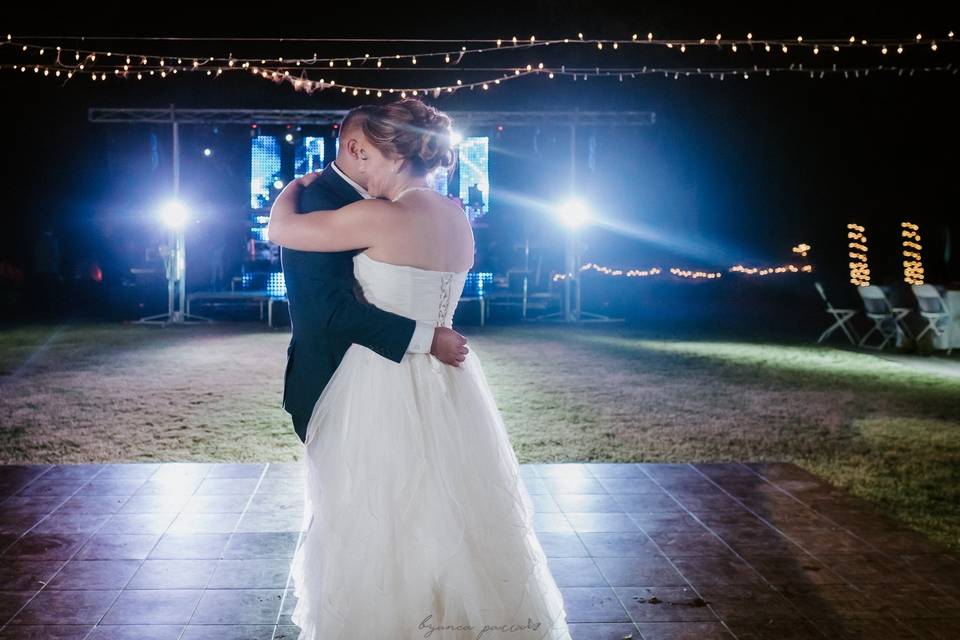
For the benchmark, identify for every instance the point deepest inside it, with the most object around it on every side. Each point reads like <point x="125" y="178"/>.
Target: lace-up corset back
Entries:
<point x="421" y="294"/>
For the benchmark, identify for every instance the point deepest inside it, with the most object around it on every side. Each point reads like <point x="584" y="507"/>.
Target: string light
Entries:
<point x="296" y="70"/>
<point x="788" y="268"/>
<point x="281" y="61"/>
<point x="484" y="46"/>
<point x="801" y="249"/>
<point x="313" y="85"/>
<point x="303" y="81"/>
<point x="912" y="261"/>
<point x="859" y="266"/>
<point x="630" y="273"/>
<point x="682" y="273"/>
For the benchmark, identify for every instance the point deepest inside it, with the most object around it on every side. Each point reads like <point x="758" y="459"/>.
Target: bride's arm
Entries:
<point x="358" y="225"/>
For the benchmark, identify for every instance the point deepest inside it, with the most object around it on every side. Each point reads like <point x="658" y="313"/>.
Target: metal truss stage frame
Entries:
<point x="334" y="116"/>
<point x="463" y="120"/>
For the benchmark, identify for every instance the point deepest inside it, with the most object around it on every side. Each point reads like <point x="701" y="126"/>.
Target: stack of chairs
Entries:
<point x="933" y="309"/>
<point x="887" y="319"/>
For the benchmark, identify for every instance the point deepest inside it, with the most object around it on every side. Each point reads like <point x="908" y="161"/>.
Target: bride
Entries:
<point x="418" y="524"/>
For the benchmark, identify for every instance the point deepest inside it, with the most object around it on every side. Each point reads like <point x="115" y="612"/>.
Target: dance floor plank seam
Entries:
<point x="189" y="551"/>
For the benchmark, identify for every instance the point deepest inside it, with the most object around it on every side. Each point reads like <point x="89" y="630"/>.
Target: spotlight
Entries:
<point x="174" y="214"/>
<point x="456" y="138"/>
<point x="288" y="137"/>
<point x="207" y="152"/>
<point x="573" y="213"/>
<point x="278" y="184"/>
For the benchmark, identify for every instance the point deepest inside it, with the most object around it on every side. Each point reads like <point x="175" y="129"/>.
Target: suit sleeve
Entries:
<point x="384" y="332"/>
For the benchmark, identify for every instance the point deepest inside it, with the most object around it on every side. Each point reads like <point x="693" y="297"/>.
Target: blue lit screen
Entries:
<point x="270" y="281"/>
<point x="474" y="162"/>
<point x="264" y="168"/>
<point x="308" y="155"/>
<point x="439" y="180"/>
<point x="477" y="283"/>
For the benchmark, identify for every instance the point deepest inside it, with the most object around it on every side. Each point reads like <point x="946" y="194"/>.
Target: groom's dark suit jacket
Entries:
<point x="325" y="314"/>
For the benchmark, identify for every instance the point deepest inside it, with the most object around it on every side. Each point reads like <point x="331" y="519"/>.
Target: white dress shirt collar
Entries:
<point x="359" y="189"/>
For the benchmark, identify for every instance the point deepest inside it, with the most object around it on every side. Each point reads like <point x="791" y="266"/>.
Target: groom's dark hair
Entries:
<point x="356" y="117"/>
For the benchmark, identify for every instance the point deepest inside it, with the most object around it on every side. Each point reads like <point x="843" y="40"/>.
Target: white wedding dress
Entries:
<point x="417" y="523"/>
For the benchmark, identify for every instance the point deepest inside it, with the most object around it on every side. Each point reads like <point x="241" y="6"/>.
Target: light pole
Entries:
<point x="174" y="216"/>
<point x="573" y="214"/>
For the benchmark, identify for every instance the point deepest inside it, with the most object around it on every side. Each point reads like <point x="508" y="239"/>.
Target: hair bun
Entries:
<point x="436" y="133"/>
<point x="415" y="131"/>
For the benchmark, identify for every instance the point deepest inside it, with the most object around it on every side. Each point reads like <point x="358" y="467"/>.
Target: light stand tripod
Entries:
<point x="175" y="263"/>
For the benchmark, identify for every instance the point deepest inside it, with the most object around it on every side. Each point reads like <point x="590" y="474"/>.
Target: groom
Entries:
<point x="325" y="314"/>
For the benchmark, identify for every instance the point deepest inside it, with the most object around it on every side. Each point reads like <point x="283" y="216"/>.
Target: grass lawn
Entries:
<point x="106" y="392"/>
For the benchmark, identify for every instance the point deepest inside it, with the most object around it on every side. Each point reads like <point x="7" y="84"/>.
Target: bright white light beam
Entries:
<point x="173" y="213"/>
<point x="573" y="213"/>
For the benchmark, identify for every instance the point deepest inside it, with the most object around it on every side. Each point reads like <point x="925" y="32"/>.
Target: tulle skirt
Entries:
<point x="417" y="523"/>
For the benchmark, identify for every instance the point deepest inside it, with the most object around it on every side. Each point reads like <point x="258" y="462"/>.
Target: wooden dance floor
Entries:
<point x="644" y="551"/>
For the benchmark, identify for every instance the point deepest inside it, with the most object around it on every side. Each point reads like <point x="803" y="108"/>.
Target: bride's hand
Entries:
<point x="296" y="185"/>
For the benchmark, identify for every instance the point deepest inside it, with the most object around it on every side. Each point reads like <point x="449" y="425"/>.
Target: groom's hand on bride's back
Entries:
<point x="449" y="346"/>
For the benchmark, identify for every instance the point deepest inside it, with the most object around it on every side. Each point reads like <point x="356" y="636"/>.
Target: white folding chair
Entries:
<point x="887" y="319"/>
<point x="933" y="309"/>
<point x="841" y="319"/>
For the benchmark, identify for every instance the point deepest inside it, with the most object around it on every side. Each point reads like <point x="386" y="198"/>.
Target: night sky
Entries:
<point x="734" y="170"/>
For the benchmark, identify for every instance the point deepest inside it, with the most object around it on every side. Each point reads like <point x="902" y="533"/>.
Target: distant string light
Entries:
<point x="765" y="271"/>
<point x="629" y="273"/>
<point x="859" y="264"/>
<point x="801" y="249"/>
<point x="683" y="273"/>
<point x="912" y="260"/>
<point x="653" y="271"/>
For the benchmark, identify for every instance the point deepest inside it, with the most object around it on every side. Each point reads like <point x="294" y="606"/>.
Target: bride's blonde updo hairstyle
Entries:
<point x="412" y="130"/>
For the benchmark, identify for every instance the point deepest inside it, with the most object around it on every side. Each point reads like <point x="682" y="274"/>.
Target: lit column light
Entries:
<point x="912" y="262"/>
<point x="859" y="265"/>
